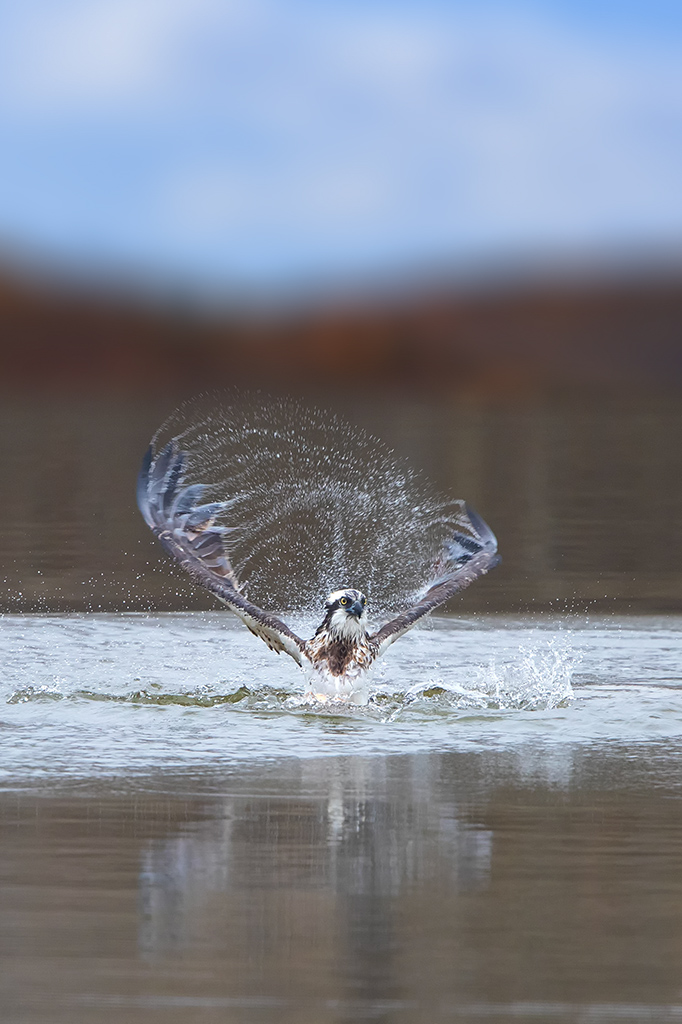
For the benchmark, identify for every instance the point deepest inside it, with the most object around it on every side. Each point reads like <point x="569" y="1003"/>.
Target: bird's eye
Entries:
<point x="344" y="600"/>
<point x="364" y="601"/>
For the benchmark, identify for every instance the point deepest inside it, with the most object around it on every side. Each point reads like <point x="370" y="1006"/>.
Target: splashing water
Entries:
<point x="539" y="679"/>
<point x="535" y="677"/>
<point x="315" y="502"/>
<point x="204" y="662"/>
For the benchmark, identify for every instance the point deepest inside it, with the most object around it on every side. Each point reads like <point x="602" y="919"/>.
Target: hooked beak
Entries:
<point x="356" y="609"/>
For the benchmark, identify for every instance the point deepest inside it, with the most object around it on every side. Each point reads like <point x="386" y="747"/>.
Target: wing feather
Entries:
<point x="464" y="558"/>
<point x="188" y="533"/>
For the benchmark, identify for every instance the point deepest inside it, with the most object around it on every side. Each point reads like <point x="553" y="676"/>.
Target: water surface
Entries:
<point x="497" y="835"/>
<point x="586" y="500"/>
<point x="112" y="694"/>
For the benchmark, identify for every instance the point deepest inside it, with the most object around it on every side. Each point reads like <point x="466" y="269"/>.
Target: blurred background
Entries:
<point x="457" y="224"/>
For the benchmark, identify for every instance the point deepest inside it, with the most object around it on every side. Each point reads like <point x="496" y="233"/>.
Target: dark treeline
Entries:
<point x="501" y="340"/>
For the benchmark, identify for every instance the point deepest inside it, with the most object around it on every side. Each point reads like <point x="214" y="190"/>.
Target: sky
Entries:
<point x="260" y="145"/>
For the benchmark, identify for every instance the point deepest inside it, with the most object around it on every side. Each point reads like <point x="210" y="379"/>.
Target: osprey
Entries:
<point x="341" y="649"/>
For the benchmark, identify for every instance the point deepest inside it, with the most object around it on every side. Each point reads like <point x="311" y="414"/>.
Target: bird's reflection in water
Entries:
<point x="310" y="893"/>
<point x="407" y="889"/>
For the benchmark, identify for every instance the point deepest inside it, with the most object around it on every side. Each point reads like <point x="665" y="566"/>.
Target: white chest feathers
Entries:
<point x="340" y="655"/>
<point x="339" y="668"/>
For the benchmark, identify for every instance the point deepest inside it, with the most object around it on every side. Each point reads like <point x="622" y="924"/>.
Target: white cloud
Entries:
<point x="323" y="200"/>
<point x="298" y="127"/>
<point x="78" y="54"/>
<point x="521" y="123"/>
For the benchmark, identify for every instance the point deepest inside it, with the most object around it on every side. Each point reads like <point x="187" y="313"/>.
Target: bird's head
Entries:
<point x="346" y="614"/>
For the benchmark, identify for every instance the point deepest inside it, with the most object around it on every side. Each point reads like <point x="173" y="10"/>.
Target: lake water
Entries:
<point x="586" y="500"/>
<point x="496" y="835"/>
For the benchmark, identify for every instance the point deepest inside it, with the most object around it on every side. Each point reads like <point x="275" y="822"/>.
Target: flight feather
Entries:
<point x="464" y="558"/>
<point x="192" y="532"/>
<point x="189" y="532"/>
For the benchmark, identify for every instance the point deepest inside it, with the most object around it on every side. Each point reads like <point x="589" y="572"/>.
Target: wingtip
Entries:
<point x="480" y="528"/>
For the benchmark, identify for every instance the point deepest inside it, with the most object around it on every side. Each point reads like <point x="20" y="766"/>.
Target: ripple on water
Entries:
<point x="110" y="694"/>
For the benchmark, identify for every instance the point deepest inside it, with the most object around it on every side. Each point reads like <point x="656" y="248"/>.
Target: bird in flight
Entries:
<point x="342" y="649"/>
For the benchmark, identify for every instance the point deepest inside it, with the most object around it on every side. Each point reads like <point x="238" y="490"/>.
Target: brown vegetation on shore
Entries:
<point x="497" y="341"/>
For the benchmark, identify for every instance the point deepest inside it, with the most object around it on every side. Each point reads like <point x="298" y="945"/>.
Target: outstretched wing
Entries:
<point x="188" y="532"/>
<point x="466" y="557"/>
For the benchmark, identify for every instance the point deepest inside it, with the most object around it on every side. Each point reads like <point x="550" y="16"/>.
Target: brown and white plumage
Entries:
<point x="341" y="649"/>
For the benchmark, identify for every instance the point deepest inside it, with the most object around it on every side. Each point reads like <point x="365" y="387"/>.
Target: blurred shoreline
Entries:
<point x="612" y="334"/>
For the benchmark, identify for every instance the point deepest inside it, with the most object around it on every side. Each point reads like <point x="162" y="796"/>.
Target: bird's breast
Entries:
<point x="337" y="656"/>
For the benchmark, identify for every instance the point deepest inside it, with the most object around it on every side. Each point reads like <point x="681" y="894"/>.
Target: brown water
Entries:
<point x="443" y="886"/>
<point x="586" y="500"/>
<point x="496" y="835"/>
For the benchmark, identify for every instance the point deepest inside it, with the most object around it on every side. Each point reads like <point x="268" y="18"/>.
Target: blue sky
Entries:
<point x="229" y="144"/>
